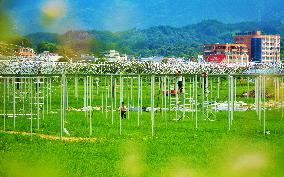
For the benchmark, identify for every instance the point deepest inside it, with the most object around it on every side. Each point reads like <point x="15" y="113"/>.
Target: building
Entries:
<point x="261" y="47"/>
<point x="157" y="59"/>
<point x="25" y="52"/>
<point x="48" y="56"/>
<point x="88" y="58"/>
<point x="228" y="53"/>
<point x="114" y="56"/>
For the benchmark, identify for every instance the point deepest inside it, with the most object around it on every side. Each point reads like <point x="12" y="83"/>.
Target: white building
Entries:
<point x="152" y="59"/>
<point x="88" y="58"/>
<point x="114" y="56"/>
<point x="48" y="56"/>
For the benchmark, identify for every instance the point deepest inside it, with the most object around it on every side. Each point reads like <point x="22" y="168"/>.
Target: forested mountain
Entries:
<point x="160" y="40"/>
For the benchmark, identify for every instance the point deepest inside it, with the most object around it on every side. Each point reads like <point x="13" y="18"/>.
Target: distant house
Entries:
<point x="152" y="59"/>
<point x="114" y="56"/>
<point x="26" y="52"/>
<point x="226" y="53"/>
<point x="48" y="56"/>
<point x="88" y="58"/>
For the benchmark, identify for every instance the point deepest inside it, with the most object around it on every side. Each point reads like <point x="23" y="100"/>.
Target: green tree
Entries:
<point x="46" y="46"/>
<point x="23" y="42"/>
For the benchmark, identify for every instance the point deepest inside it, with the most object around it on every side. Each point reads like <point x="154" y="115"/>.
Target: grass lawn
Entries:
<point x="176" y="149"/>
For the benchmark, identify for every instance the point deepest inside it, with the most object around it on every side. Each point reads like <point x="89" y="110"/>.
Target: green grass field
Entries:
<point x="176" y="149"/>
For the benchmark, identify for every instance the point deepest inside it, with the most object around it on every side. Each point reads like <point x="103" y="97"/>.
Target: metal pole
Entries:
<point x="165" y="100"/>
<point x="264" y="112"/>
<point x="131" y="92"/>
<point x="260" y="96"/>
<point x="4" y="104"/>
<point x="139" y="98"/>
<point x="43" y="86"/>
<point x="31" y="104"/>
<point x="106" y="96"/>
<point x="47" y="97"/>
<point x="91" y="108"/>
<point x="232" y="98"/>
<point x="248" y="92"/>
<point x="211" y="88"/>
<point x="128" y="99"/>
<point x="152" y="102"/>
<point x="183" y="97"/>
<point x="121" y="100"/>
<point x="102" y="99"/>
<point x="37" y="99"/>
<point x="218" y="93"/>
<point x="229" y="102"/>
<point x="177" y="99"/>
<point x="282" y="112"/>
<point x="14" y="102"/>
<point x="50" y="91"/>
<point x="85" y="96"/>
<point x="112" y="95"/>
<point x="196" y="100"/>
<point x="203" y="92"/>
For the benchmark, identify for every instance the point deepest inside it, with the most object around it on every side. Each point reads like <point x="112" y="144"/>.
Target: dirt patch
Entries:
<point x="50" y="137"/>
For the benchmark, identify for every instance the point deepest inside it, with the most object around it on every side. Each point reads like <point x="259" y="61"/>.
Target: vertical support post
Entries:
<point x="131" y="92"/>
<point x="229" y="102"/>
<point x="264" y="111"/>
<point x="24" y="95"/>
<point x="31" y="105"/>
<point x="121" y="100"/>
<point x="50" y="91"/>
<point x="106" y="96"/>
<point x="141" y="95"/>
<point x="14" y="101"/>
<point x="4" y="102"/>
<point x="62" y="106"/>
<point x="37" y="100"/>
<point x="203" y="93"/>
<point x="43" y="86"/>
<point x="256" y="95"/>
<point x="47" y="95"/>
<point x="235" y="89"/>
<point x="211" y="88"/>
<point x="248" y="92"/>
<point x="165" y="100"/>
<point x="139" y="100"/>
<point x="114" y="92"/>
<point x="76" y="88"/>
<point x="152" y="102"/>
<point x="128" y="98"/>
<point x="282" y="98"/>
<point x="183" y="97"/>
<point x="90" y="101"/>
<point x="196" y="102"/>
<point x="102" y="91"/>
<point x="260" y="97"/>
<point x="218" y="92"/>
<point x="85" y="96"/>
<point x="232" y="98"/>
<point x="112" y="95"/>
<point x="177" y="99"/>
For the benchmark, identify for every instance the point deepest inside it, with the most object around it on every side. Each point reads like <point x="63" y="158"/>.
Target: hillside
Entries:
<point x="160" y="40"/>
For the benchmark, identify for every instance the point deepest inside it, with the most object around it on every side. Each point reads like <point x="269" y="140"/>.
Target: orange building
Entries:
<point x="25" y="52"/>
<point x="261" y="48"/>
<point x="228" y="53"/>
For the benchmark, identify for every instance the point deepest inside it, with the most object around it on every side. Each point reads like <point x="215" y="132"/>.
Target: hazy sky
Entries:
<point x="116" y="15"/>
